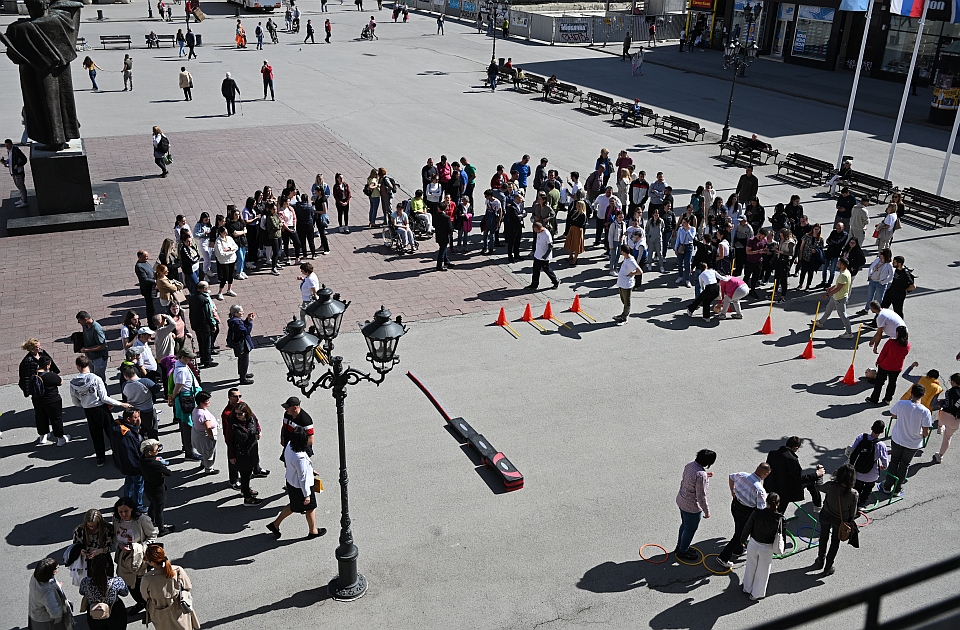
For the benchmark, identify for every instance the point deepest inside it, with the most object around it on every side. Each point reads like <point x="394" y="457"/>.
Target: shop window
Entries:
<point x="901" y="38"/>
<point x="812" y="37"/>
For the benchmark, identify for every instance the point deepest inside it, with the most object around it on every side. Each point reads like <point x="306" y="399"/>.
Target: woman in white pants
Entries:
<point x="733" y="289"/>
<point x="758" y="535"/>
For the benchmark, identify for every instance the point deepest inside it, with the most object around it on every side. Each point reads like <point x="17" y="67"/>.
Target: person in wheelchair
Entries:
<point x="400" y="223"/>
<point x="422" y="221"/>
<point x="365" y="33"/>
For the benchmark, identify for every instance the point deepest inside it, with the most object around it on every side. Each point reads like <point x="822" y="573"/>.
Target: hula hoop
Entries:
<point x="707" y="566"/>
<point x="691" y="564"/>
<point x="811" y="541"/>
<point x="666" y="555"/>
<point x="864" y="515"/>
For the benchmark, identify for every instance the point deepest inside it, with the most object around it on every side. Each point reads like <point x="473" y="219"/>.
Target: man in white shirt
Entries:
<point x="887" y="323"/>
<point x="626" y="280"/>
<point x="709" y="291"/>
<point x="913" y="422"/>
<point x="147" y="361"/>
<point x="542" y="253"/>
<point x="603" y="205"/>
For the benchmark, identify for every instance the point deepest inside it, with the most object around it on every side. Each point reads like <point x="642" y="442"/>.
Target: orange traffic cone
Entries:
<point x="849" y="378"/>
<point x="767" y="327"/>
<point x="527" y="315"/>
<point x="547" y="312"/>
<point x="576" y="305"/>
<point x="502" y="319"/>
<point x="808" y="351"/>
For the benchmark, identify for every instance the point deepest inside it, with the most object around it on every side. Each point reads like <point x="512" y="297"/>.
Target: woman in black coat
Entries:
<point x="242" y="449"/>
<point x="839" y="506"/>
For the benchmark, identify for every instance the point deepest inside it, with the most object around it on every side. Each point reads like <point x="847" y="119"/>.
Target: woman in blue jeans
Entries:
<point x="90" y="66"/>
<point x="373" y="191"/>
<point x="879" y="278"/>
<point x="692" y="501"/>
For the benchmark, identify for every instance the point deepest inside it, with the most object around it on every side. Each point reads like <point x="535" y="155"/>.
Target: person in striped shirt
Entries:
<point x="748" y="495"/>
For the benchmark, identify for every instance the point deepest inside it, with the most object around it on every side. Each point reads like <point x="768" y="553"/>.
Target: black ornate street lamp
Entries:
<point x="299" y="351"/>
<point x="740" y="57"/>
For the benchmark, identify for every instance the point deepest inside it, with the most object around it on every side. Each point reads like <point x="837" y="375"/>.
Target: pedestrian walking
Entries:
<point x="949" y="416"/>
<point x="692" y="500"/>
<point x="299" y="485"/>
<point x="911" y="425"/>
<point x="748" y="495"/>
<point x="492" y="71"/>
<point x="241" y="36"/>
<point x="839" y="511"/>
<point x="230" y="91"/>
<point x="266" y="71"/>
<point x="181" y="42"/>
<point x="163" y="587"/>
<point x="191" y="40"/>
<point x="91" y="67"/>
<point x="327" y="28"/>
<point x="837" y="296"/>
<point x="636" y="63"/>
<point x="868" y="455"/>
<point x="542" y="254"/>
<point x="15" y="163"/>
<point x="889" y="365"/>
<point x="309" y="33"/>
<point x="759" y="534"/>
<point x="127" y="72"/>
<point x="186" y="83"/>
<point x="627" y="41"/>
<point x="161" y="150"/>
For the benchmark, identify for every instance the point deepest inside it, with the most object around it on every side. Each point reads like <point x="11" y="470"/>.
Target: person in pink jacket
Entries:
<point x="732" y="289"/>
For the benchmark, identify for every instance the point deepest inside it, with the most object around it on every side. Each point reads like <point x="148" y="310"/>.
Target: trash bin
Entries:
<point x="199" y="39"/>
<point x="501" y="61"/>
<point x="100" y="14"/>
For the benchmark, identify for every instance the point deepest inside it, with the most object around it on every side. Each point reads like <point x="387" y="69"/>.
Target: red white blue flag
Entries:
<point x="906" y="8"/>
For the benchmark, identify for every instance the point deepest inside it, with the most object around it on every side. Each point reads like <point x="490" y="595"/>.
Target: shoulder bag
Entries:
<point x="184" y="598"/>
<point x="778" y="547"/>
<point x="845" y="529"/>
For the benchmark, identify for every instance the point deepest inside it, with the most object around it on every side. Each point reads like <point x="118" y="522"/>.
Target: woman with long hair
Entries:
<point x="242" y="449"/>
<point x="163" y="586"/>
<point x="105" y="610"/>
<point x="91" y="67"/>
<point x="166" y="287"/>
<point x="169" y="257"/>
<point x="128" y="329"/>
<point x="181" y="333"/>
<point x="372" y="190"/>
<point x="92" y="537"/>
<point x="785" y="251"/>
<point x="272" y="230"/>
<point x="949" y="416"/>
<point x="299" y="480"/>
<point x="810" y="257"/>
<point x="839" y="506"/>
<point x="341" y="195"/>
<point x="879" y="277"/>
<point x="134" y="531"/>
<point x="190" y="260"/>
<point x="225" y="250"/>
<point x="758" y="536"/>
<point x="889" y="365"/>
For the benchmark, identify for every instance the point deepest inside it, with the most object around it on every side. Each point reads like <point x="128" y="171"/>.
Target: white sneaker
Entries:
<point x="63" y="440"/>
<point x="275" y="271"/>
<point x="687" y="284"/>
<point x="612" y="272"/>
<point x="44" y="439"/>
<point x="219" y="296"/>
<point x="230" y="293"/>
<point x="242" y="276"/>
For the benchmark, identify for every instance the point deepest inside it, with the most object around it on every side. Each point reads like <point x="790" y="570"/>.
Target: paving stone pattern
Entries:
<point x="45" y="279"/>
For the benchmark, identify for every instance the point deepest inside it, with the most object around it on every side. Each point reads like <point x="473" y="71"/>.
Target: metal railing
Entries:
<point x="872" y="597"/>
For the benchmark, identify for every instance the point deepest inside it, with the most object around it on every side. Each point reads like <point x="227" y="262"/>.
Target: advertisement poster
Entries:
<point x="573" y="33"/>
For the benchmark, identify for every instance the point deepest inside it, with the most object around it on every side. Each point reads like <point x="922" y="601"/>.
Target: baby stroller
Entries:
<point x="296" y="25"/>
<point x="365" y="33"/>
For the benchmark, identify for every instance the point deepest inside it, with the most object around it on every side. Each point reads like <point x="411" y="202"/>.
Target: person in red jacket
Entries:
<point x="889" y="366"/>
<point x="267" y="71"/>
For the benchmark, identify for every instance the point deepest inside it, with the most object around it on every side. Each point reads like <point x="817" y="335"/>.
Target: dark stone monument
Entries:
<point x="62" y="179"/>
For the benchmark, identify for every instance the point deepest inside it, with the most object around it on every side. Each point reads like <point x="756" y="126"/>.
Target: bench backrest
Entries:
<point x="870" y="179"/>
<point x="923" y="197"/>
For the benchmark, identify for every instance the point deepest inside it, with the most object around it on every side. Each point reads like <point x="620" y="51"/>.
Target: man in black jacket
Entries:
<point x="443" y="228"/>
<point x="230" y="92"/>
<point x="125" y="442"/>
<point x="203" y="322"/>
<point x="513" y="216"/>
<point x="191" y="38"/>
<point x="147" y="281"/>
<point x="747" y="186"/>
<point x="833" y="249"/>
<point x="154" y="469"/>
<point x="903" y="283"/>
<point x="15" y="162"/>
<point x="787" y="477"/>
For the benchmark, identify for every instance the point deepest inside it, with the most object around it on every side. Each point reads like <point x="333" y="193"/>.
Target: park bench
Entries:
<point x="596" y="102"/>
<point x="115" y="39"/>
<point x="532" y="83"/>
<point x="740" y="146"/>
<point x="636" y="118"/>
<point x="504" y="77"/>
<point x="563" y="92"/>
<point x="681" y="127"/>
<point x="926" y="209"/>
<point x="869" y="187"/>
<point x="805" y="168"/>
<point x="171" y="39"/>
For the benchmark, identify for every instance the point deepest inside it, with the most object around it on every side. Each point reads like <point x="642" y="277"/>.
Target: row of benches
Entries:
<point x="126" y="40"/>
<point x="626" y="113"/>
<point x="752" y="150"/>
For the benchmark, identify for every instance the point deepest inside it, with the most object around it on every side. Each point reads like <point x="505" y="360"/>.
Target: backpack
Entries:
<point x="864" y="457"/>
<point x="32" y="386"/>
<point x="164" y="145"/>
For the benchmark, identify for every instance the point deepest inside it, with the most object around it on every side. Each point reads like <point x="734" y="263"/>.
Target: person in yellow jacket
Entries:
<point x="930" y="382"/>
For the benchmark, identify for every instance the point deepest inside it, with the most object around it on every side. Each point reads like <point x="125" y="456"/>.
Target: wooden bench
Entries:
<point x="681" y="127"/>
<point x="563" y="93"/>
<point x="805" y="168"/>
<point x="532" y="83"/>
<point x="171" y="39"/>
<point x="740" y="146"/>
<point x="596" y="102"/>
<point x="636" y="118"/>
<point x="504" y="77"/>
<point x="116" y="39"/>
<point x="869" y="187"/>
<point x="926" y="209"/>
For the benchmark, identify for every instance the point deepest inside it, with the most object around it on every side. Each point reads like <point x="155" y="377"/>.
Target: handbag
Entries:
<point x="778" y="540"/>
<point x="184" y="598"/>
<point x="876" y="232"/>
<point x="187" y="402"/>
<point x="845" y="529"/>
<point x="168" y="159"/>
<point x="178" y="296"/>
<point x="682" y="249"/>
<point x="317" y="483"/>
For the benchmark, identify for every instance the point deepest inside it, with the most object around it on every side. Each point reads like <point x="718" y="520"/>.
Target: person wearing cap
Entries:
<point x="125" y="439"/>
<point x="154" y="469"/>
<point x="295" y="416"/>
<point x="185" y="388"/>
<point x="147" y="361"/>
<point x="139" y="392"/>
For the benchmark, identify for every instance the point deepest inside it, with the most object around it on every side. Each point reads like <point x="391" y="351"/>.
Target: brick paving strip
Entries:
<point x="45" y="279"/>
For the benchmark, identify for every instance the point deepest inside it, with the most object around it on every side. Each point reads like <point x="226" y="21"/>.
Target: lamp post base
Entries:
<point x="350" y="593"/>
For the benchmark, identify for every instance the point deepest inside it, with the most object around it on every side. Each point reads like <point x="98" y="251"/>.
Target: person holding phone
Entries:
<point x="692" y="501"/>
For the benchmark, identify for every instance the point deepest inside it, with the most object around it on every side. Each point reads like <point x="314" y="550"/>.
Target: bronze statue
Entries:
<point x="43" y="45"/>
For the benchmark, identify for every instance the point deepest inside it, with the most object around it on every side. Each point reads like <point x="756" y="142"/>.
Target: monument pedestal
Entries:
<point x="61" y="179"/>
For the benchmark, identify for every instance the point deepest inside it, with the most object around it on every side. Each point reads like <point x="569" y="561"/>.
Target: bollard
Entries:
<point x="100" y="15"/>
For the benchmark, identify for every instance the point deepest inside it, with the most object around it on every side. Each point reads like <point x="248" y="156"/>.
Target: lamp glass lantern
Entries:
<point x="752" y="50"/>
<point x="382" y="336"/>
<point x="327" y="313"/>
<point x="297" y="348"/>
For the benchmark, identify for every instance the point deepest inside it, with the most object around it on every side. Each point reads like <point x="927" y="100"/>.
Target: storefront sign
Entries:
<point x="786" y="12"/>
<point x="701" y="5"/>
<point x="573" y="32"/>
<point x="800" y="42"/>
<point x="453" y="4"/>
<point x="818" y="14"/>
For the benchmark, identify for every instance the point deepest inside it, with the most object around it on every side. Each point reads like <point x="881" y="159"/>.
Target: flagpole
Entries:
<point x="906" y="90"/>
<point x="946" y="159"/>
<point x="856" y="82"/>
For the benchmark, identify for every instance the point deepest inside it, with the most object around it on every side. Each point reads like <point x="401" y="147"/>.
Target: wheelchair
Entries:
<point x="391" y="240"/>
<point x="419" y="226"/>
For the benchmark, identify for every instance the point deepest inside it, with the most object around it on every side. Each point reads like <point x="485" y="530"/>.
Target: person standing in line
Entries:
<point x="513" y="217"/>
<point x="683" y="246"/>
<point x="191" y="39"/>
<point x="47" y="402"/>
<point x="299" y="484"/>
<point x="327" y="28"/>
<point x="182" y="399"/>
<point x="913" y="422"/>
<point x="154" y="470"/>
<point x="759" y="533"/>
<point x="266" y="71"/>
<point x="28" y="371"/>
<point x="203" y="322"/>
<point x="94" y="344"/>
<point x="230" y="91"/>
<point x="542" y="253"/>
<point x="242" y="449"/>
<point x="88" y="391"/>
<point x="147" y="282"/>
<point x="787" y="478"/>
<point x="139" y="393"/>
<point x="161" y="147"/>
<point x="949" y="416"/>
<point x="186" y="84"/>
<point x="709" y="291"/>
<point x="309" y="33"/>
<point x="443" y="232"/>
<point x="127" y="72"/>
<point x="204" y="437"/>
<point x="125" y="439"/>
<point x="48" y="606"/>
<point x="837" y="296"/>
<point x="102" y="592"/>
<point x="161" y="588"/>
<point x="627" y="281"/>
<point x="868" y="456"/>
<point x="240" y="341"/>
<point x="692" y="501"/>
<point x="225" y="251"/>
<point x="889" y="365"/>
<point x="748" y="495"/>
<point x="839" y="506"/>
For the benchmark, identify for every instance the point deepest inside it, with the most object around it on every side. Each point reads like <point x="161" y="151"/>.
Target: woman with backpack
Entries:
<point x="102" y="592"/>
<point x="837" y="515"/>
<point x="810" y="257"/>
<point x="161" y="147"/>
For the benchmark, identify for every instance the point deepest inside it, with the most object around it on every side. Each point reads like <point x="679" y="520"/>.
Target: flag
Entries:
<point x="854" y="5"/>
<point x="906" y="8"/>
